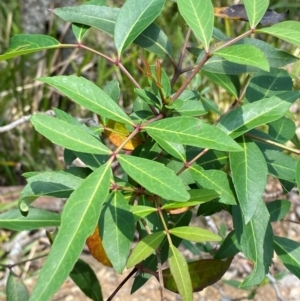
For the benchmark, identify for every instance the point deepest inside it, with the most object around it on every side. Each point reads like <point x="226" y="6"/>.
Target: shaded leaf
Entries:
<point x="145" y="247"/>
<point x="249" y="116"/>
<point x="180" y="274"/>
<point x="191" y="131"/>
<point x="194" y="234"/>
<point x="133" y="18"/>
<point x="175" y="149"/>
<point x="256" y="241"/>
<point x="86" y="279"/>
<point x="22" y="44"/>
<point x="155" y="177"/>
<point x="200" y="18"/>
<point x="87" y="94"/>
<point x="298" y="173"/>
<point x="78" y="220"/>
<point x="36" y="218"/>
<point x="249" y="175"/>
<point x="282" y="130"/>
<point x="238" y="12"/>
<point x="216" y="180"/>
<point x="278" y="209"/>
<point x="203" y="273"/>
<point x="266" y="84"/>
<point x="188" y="107"/>
<point x="244" y="54"/>
<point x="288" y="31"/>
<point x="52" y="183"/>
<point x="289" y="253"/>
<point x="116" y="225"/>
<point x="229" y="247"/>
<point x="15" y="289"/>
<point x="280" y="165"/>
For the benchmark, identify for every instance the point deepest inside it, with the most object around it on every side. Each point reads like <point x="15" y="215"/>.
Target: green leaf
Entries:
<point x="256" y="241"/>
<point x="36" y="218"/>
<point x="289" y="253"/>
<point x="78" y="221"/>
<point x="244" y="54"/>
<point x="266" y="84"/>
<point x="80" y="30"/>
<point x="15" y="289"/>
<point x="280" y="165"/>
<point x="216" y="180"/>
<point x="52" y="183"/>
<point x="87" y="94"/>
<point x="194" y="234"/>
<point x="255" y="10"/>
<point x="112" y="89"/>
<point x="249" y="181"/>
<point x="191" y="131"/>
<point x="197" y="196"/>
<point x="200" y="18"/>
<point x="288" y="31"/>
<point x="155" y="177"/>
<point x="140" y="211"/>
<point x="278" y="209"/>
<point x="187" y="107"/>
<point x="28" y="43"/>
<point x="229" y="247"/>
<point x="67" y="135"/>
<point x="225" y="81"/>
<point x="144" y="248"/>
<point x="116" y="228"/>
<point x="175" y="149"/>
<point x="133" y="18"/>
<point x="282" y="130"/>
<point x="86" y="279"/>
<point x="249" y="116"/>
<point x="180" y="272"/>
<point x="152" y="38"/>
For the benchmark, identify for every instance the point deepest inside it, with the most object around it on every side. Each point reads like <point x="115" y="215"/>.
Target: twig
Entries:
<point x="275" y="286"/>
<point x="20" y="121"/>
<point x="122" y="283"/>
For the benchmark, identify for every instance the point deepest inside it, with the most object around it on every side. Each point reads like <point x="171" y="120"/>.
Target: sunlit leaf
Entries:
<point x="145" y="247"/>
<point x="194" y="234"/>
<point x="255" y="10"/>
<point x="249" y="175"/>
<point x="199" y="15"/>
<point x="180" y="274"/>
<point x="36" y="218"/>
<point x="155" y="177"/>
<point x="78" y="221"/>
<point x="288" y="31"/>
<point x="133" y="18"/>
<point x="28" y="43"/>
<point x="244" y="54"/>
<point x="191" y="131"/>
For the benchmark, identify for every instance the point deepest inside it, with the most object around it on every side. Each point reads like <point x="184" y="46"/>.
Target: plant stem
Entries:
<point x="271" y="142"/>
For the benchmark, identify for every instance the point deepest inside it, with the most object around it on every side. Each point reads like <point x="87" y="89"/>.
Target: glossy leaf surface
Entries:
<point x="155" y="177"/>
<point x="200" y="17"/>
<point x="78" y="221"/>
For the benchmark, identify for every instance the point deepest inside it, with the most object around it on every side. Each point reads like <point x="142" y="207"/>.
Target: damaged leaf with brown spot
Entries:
<point x="238" y="12"/>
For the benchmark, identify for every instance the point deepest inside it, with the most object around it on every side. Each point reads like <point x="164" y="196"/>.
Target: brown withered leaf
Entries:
<point x="238" y="12"/>
<point x="94" y="244"/>
<point x="117" y="134"/>
<point x="203" y="272"/>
